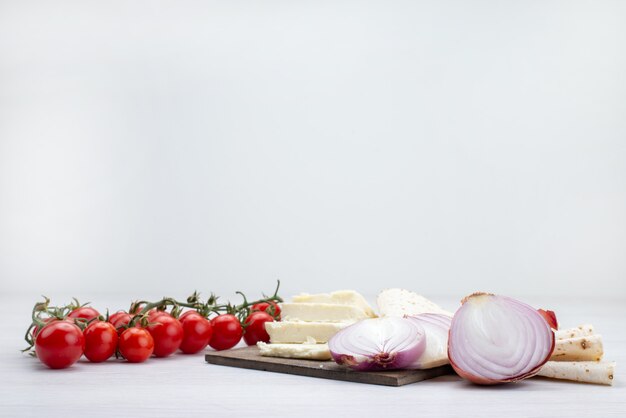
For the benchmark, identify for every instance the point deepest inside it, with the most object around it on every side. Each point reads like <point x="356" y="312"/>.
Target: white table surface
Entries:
<point x="185" y="386"/>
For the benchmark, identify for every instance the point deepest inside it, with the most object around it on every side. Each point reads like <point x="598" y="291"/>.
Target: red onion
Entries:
<point x="437" y="327"/>
<point x="496" y="339"/>
<point x="550" y="318"/>
<point x="378" y="344"/>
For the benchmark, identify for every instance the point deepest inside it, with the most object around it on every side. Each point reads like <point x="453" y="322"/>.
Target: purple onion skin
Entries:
<point x="388" y="361"/>
<point x="391" y="360"/>
<point x="482" y="380"/>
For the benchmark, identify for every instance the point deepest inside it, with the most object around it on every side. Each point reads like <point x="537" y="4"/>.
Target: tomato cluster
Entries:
<point x="61" y="336"/>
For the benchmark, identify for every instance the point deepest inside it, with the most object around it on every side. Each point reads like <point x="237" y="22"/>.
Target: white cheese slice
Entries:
<point x="303" y="351"/>
<point x="321" y="312"/>
<point x="303" y="332"/>
<point x="341" y="297"/>
<point x="401" y="302"/>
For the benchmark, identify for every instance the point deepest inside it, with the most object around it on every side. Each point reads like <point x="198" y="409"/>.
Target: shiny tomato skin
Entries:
<point x="116" y="315"/>
<point x="121" y="321"/>
<point x="154" y="313"/>
<point x="227" y="332"/>
<point x="167" y="333"/>
<point x="255" y="327"/>
<point x="35" y="330"/>
<point x="186" y="314"/>
<point x="100" y="341"/>
<point x="271" y="308"/>
<point x="197" y="332"/>
<point x="136" y="345"/>
<point x="59" y="344"/>
<point x="84" y="312"/>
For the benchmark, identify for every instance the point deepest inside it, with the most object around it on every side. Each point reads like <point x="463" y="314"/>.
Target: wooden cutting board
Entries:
<point x="249" y="358"/>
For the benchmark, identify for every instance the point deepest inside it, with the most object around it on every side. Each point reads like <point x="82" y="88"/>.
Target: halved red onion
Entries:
<point x="496" y="339"/>
<point x="436" y="327"/>
<point x="378" y="344"/>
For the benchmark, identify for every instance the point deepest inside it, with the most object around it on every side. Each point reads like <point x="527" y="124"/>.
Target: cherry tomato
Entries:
<point x="270" y="307"/>
<point x="46" y="321"/>
<point x="197" y="332"/>
<point x="84" y="312"/>
<point x="227" y="332"/>
<point x="187" y="313"/>
<point x="167" y="333"/>
<point x="136" y="345"/>
<point x="59" y="344"/>
<point x="153" y="313"/>
<point x="121" y="321"/>
<point x="100" y="341"/>
<point x="116" y="315"/>
<point x="255" y="327"/>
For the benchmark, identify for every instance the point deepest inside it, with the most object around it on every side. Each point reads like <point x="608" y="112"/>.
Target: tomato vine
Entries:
<point x="43" y="313"/>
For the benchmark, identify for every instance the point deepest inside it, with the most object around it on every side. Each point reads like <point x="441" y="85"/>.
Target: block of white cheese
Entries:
<point x="303" y="332"/>
<point x="302" y="351"/>
<point x="340" y="297"/>
<point x="401" y="302"/>
<point x="321" y="312"/>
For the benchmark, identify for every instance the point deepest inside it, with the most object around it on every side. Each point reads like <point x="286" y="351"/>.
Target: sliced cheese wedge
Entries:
<point x="302" y="351"/>
<point x="401" y="302"/>
<point x="341" y="297"/>
<point x="303" y="332"/>
<point x="321" y="312"/>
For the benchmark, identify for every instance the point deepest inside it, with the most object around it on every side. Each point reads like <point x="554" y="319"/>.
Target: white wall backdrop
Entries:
<point x="442" y="146"/>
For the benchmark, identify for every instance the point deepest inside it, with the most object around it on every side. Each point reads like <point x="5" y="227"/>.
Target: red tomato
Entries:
<point x="84" y="312"/>
<point x="271" y="308"/>
<point x="197" y="332"/>
<point x="46" y="321"/>
<point x="167" y="333"/>
<point x="187" y="313"/>
<point x="122" y="320"/>
<point x="136" y="345"/>
<point x="227" y="332"/>
<point x="116" y="315"/>
<point x="59" y="344"/>
<point x="153" y="313"/>
<point x="100" y="341"/>
<point x="255" y="327"/>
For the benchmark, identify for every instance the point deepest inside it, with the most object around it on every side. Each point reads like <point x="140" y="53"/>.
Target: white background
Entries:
<point x="151" y="148"/>
<point x="442" y="146"/>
